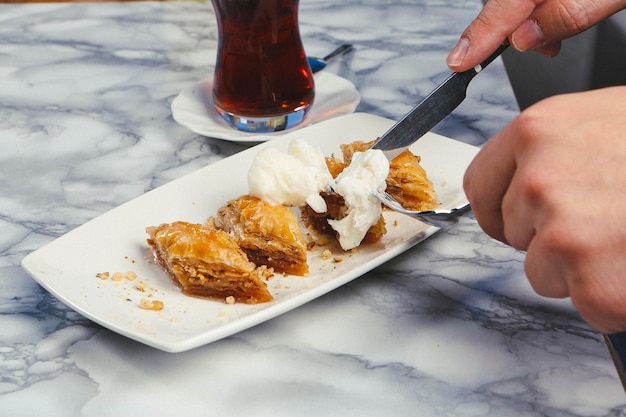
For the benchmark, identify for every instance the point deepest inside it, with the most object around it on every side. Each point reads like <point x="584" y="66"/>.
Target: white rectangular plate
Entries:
<point x="116" y="242"/>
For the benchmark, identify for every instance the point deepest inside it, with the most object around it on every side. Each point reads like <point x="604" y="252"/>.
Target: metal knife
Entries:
<point x="430" y="111"/>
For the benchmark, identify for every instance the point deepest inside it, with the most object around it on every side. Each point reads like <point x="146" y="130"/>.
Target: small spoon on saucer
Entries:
<point x="318" y="64"/>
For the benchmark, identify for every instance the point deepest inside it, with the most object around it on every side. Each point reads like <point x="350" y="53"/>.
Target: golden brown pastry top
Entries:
<point x="251" y="216"/>
<point x="198" y="242"/>
<point x="407" y="181"/>
<point x="270" y="235"/>
<point x="208" y="263"/>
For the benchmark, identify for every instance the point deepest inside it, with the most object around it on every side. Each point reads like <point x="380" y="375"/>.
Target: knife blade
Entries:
<point x="430" y="111"/>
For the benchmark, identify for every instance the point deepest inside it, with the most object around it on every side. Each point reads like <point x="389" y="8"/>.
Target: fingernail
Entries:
<point x="528" y="36"/>
<point x="457" y="55"/>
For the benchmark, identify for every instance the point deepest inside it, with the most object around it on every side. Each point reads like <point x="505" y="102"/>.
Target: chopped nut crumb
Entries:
<point x="316" y="241"/>
<point x="130" y="275"/>
<point x="230" y="300"/>
<point x="326" y="254"/>
<point x="337" y="260"/>
<point x="265" y="272"/>
<point x="142" y="286"/>
<point x="117" y="276"/>
<point x="155" y="305"/>
<point x="102" y="275"/>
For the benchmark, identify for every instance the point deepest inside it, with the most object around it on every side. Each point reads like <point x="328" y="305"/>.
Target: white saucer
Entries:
<point x="192" y="108"/>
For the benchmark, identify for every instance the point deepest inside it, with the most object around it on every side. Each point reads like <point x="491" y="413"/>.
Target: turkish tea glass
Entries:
<point x="262" y="80"/>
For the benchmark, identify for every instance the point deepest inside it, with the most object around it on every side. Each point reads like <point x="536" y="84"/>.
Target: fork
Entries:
<point x="439" y="218"/>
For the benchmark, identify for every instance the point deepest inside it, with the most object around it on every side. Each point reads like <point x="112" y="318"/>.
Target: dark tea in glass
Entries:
<point x="262" y="80"/>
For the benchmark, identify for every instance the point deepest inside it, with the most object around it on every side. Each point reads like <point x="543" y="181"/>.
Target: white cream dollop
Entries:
<point x="293" y="178"/>
<point x="298" y="176"/>
<point x="366" y="174"/>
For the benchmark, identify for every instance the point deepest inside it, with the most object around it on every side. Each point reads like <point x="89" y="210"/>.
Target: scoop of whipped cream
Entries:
<point x="299" y="176"/>
<point x="366" y="174"/>
<point x="294" y="178"/>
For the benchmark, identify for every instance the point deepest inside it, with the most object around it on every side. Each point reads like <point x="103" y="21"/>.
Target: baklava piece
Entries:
<point x="208" y="263"/>
<point x="407" y="181"/>
<point x="337" y="210"/>
<point x="409" y="185"/>
<point x="270" y="235"/>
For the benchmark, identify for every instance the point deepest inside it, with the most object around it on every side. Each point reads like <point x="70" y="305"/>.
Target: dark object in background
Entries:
<point x="593" y="59"/>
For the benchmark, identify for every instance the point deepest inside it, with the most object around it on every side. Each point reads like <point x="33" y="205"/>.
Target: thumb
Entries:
<point x="496" y="21"/>
<point x="529" y="24"/>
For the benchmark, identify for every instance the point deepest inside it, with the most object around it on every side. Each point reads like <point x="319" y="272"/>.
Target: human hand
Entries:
<point x="537" y="25"/>
<point x="553" y="183"/>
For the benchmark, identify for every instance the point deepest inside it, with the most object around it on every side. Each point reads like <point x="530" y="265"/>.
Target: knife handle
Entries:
<point x="491" y="57"/>
<point x="471" y="73"/>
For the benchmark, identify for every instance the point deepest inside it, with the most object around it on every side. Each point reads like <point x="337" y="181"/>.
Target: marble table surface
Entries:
<point x="449" y="328"/>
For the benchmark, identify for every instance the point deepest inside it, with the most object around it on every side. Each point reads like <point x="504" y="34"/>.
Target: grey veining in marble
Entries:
<point x="451" y="328"/>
